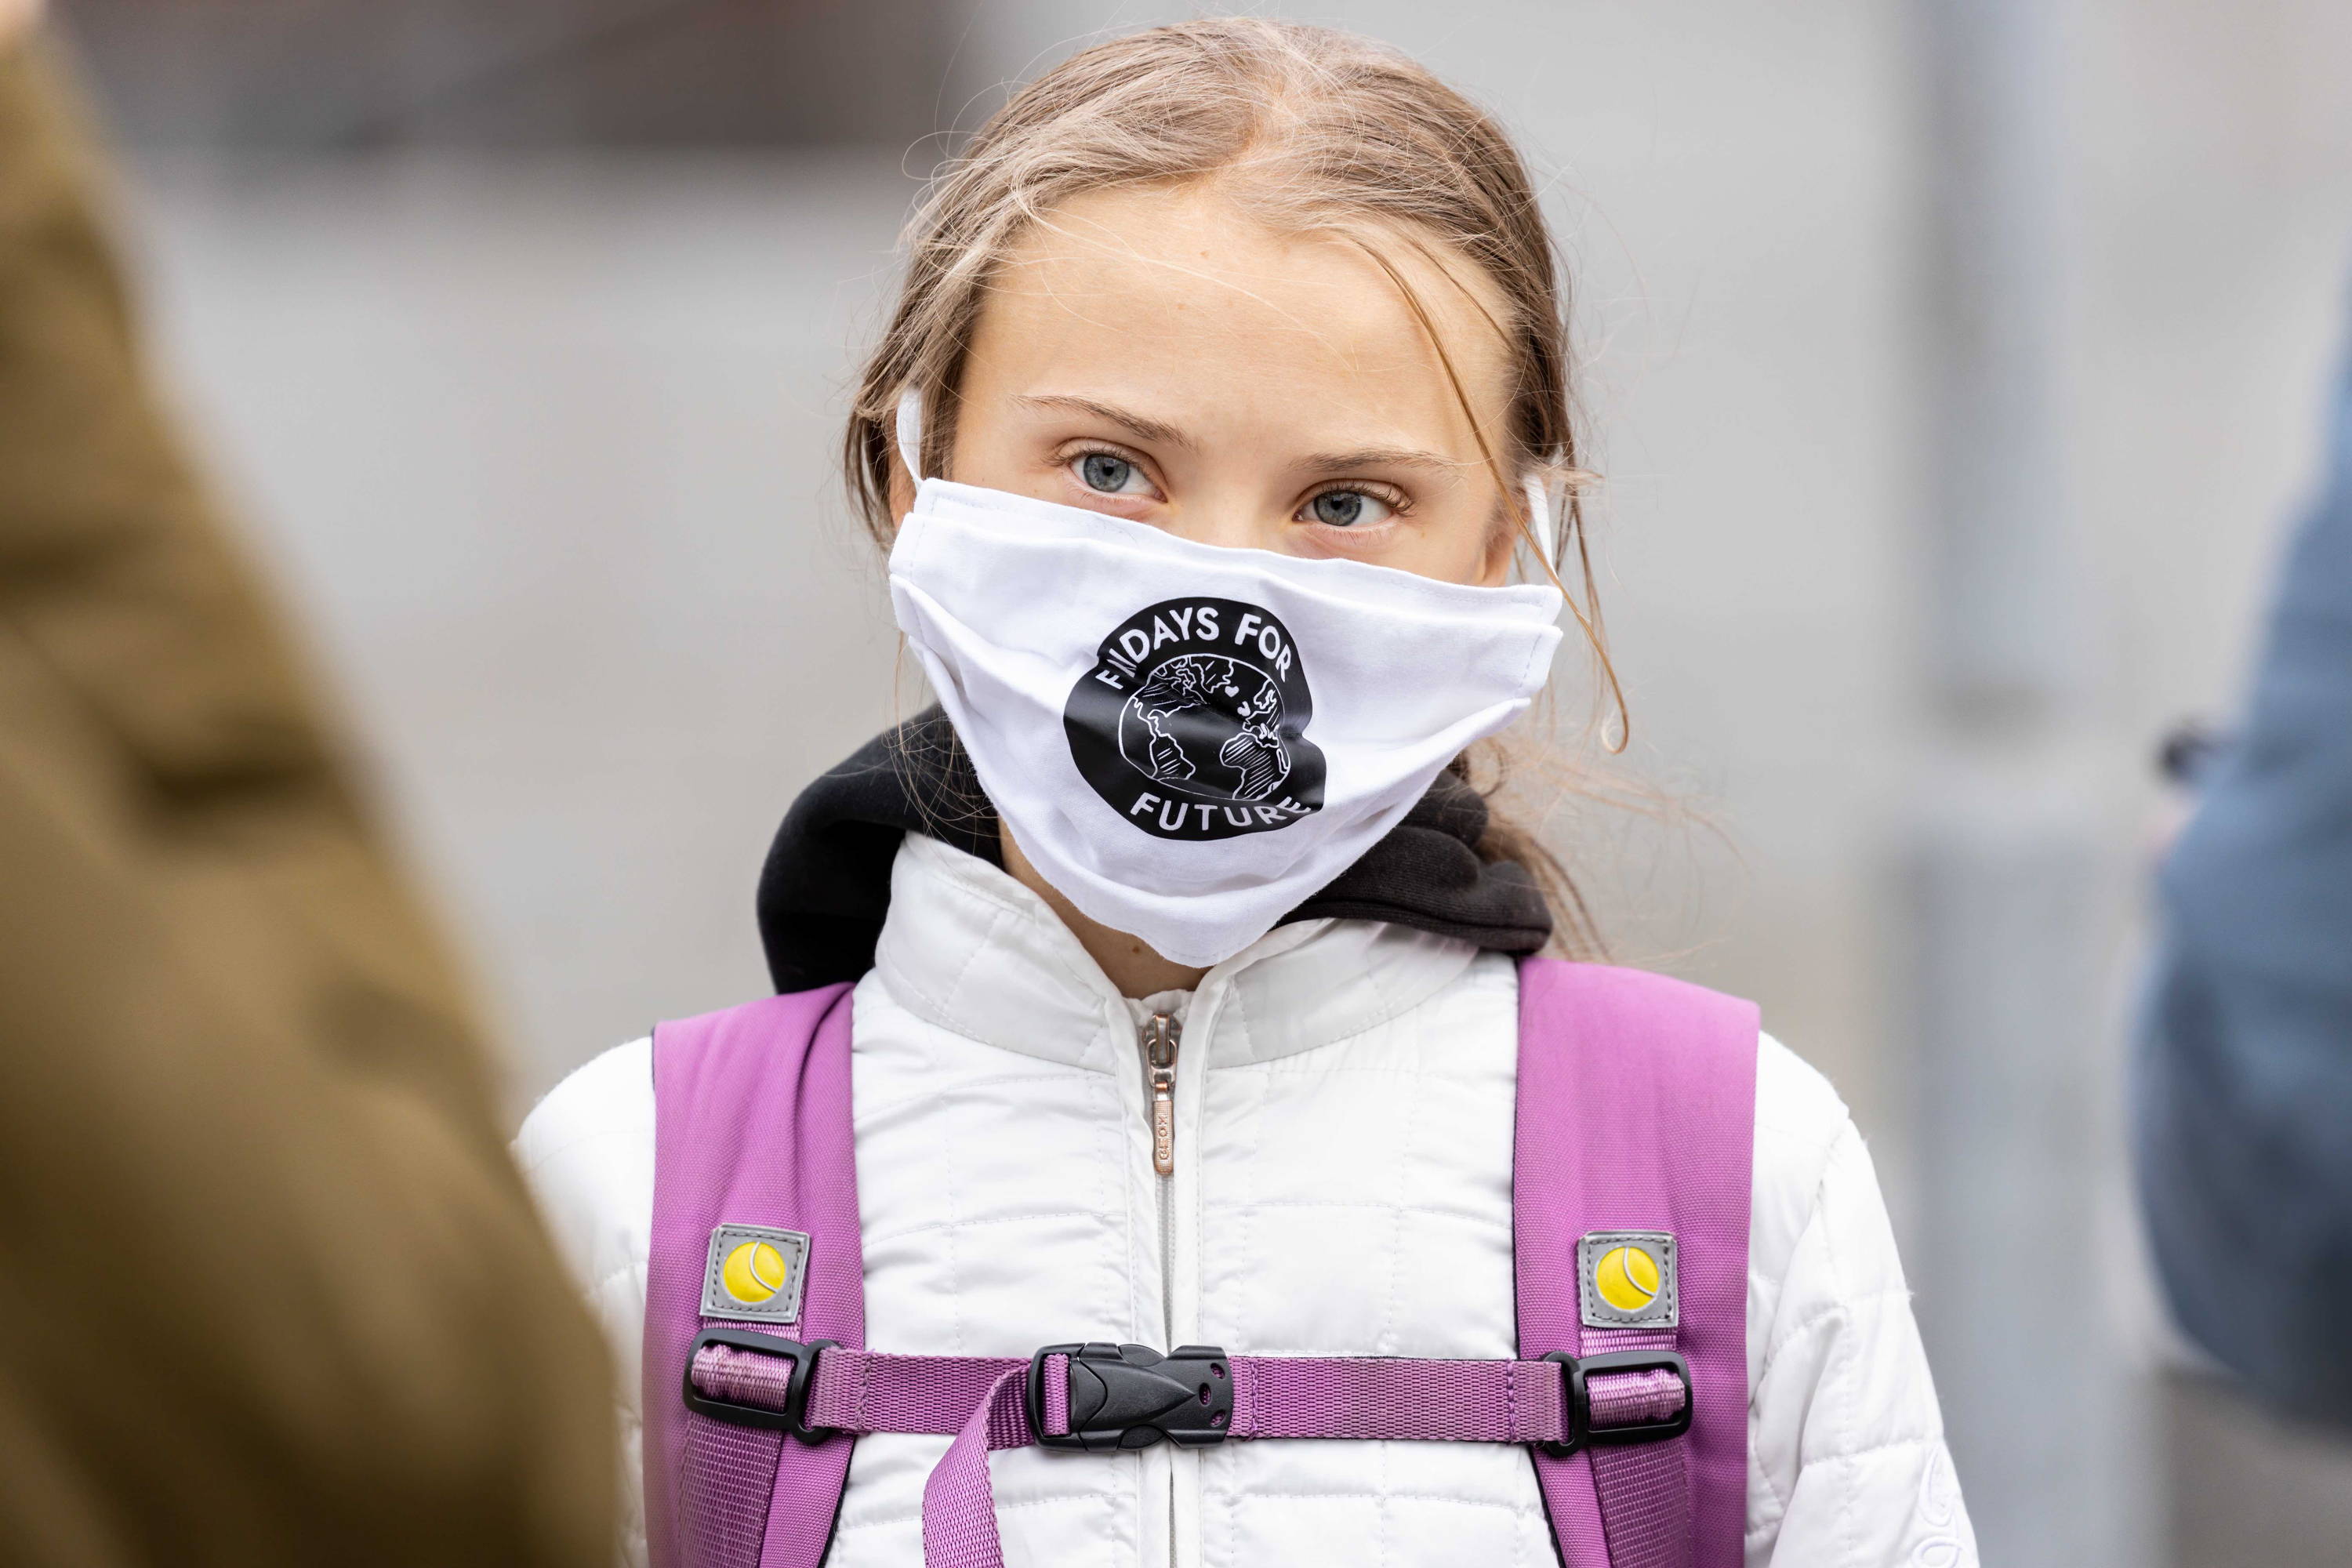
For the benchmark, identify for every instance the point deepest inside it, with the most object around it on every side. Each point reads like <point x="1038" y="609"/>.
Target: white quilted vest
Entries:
<point x="1341" y="1187"/>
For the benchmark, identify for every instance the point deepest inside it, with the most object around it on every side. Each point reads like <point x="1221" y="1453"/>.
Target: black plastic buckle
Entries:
<point x="1577" y="1402"/>
<point x="793" y="1416"/>
<point x="1128" y="1397"/>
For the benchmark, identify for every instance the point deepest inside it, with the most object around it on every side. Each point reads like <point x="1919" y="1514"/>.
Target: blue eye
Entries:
<point x="1340" y="508"/>
<point x="1346" y="509"/>
<point x="1110" y="475"/>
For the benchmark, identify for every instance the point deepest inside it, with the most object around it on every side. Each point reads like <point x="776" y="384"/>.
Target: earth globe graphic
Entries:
<point x="1208" y="726"/>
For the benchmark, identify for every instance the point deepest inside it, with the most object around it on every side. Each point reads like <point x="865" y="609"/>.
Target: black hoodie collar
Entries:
<point x="825" y="888"/>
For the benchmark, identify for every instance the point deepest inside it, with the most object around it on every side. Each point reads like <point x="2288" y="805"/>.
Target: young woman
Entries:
<point x="1187" y="1005"/>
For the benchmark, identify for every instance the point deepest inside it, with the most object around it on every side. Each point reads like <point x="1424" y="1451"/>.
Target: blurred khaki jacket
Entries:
<point x="270" y="1290"/>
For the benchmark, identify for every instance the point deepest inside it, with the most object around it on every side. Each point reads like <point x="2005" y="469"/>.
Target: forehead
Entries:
<point x="1178" y="297"/>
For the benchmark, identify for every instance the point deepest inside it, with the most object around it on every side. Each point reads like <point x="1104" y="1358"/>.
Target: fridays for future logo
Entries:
<point x="1191" y="724"/>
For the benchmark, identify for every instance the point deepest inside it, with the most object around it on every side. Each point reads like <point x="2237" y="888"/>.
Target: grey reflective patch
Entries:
<point x="755" y="1273"/>
<point x="1663" y="1308"/>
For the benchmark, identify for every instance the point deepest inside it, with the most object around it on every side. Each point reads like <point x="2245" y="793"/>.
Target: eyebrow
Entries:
<point x="1135" y="425"/>
<point x="1377" y="457"/>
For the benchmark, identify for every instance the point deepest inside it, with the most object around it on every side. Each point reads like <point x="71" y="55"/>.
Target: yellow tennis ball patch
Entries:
<point x="753" y="1271"/>
<point x="1627" y="1278"/>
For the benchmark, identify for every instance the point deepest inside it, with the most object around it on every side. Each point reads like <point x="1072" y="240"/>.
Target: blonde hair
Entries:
<point x="1310" y="129"/>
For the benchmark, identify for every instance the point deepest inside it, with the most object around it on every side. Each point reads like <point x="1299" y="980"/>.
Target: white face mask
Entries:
<point x="1189" y="740"/>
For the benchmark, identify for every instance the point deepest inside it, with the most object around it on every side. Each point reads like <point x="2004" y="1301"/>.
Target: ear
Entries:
<point x="905" y="434"/>
<point x="902" y="498"/>
<point x="1529" y="520"/>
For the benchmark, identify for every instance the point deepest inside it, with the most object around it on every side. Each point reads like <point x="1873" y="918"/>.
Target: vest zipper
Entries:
<point x="1161" y="1034"/>
<point x="1159" y="1037"/>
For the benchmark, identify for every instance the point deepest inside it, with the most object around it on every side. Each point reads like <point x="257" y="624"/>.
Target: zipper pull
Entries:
<point x="1159" y="1037"/>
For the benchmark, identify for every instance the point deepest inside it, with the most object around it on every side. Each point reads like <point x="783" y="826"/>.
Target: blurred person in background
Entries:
<point x="2244" y="1071"/>
<point x="1171" y="1018"/>
<point x="271" y="1293"/>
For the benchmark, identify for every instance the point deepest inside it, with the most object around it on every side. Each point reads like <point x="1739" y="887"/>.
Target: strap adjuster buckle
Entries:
<point x="1578" y="1371"/>
<point x="1130" y="1396"/>
<point x="793" y="1417"/>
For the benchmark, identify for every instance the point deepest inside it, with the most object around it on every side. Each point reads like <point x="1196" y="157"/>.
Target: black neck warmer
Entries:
<point x="826" y="885"/>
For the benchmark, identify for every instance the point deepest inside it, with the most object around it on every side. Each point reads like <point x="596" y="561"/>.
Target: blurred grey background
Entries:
<point x="1919" y="335"/>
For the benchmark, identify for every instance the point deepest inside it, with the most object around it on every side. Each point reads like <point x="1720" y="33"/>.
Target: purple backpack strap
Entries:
<point x="1636" y="1114"/>
<point x="751" y="1119"/>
